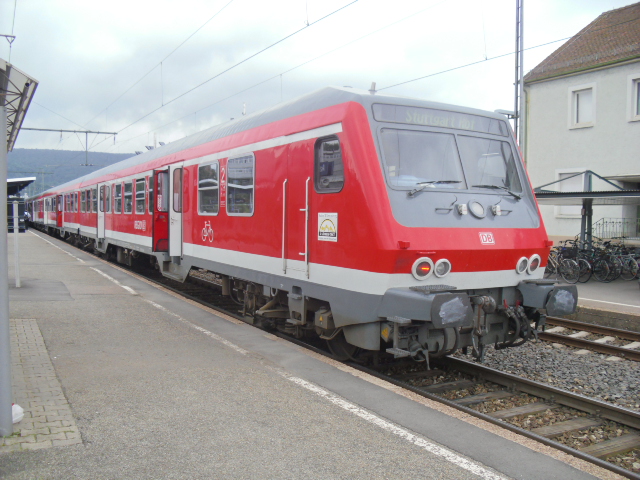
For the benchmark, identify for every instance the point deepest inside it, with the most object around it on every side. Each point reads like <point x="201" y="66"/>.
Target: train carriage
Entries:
<point x="376" y="222"/>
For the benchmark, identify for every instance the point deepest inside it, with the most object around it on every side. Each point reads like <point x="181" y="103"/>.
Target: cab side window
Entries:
<point x="329" y="169"/>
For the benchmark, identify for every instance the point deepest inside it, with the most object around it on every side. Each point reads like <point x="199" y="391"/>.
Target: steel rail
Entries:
<point x="627" y="353"/>
<point x="510" y="380"/>
<point x="621" y="415"/>
<point x="599" y="329"/>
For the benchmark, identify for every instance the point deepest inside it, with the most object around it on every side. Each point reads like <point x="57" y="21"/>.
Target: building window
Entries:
<point x="582" y="101"/>
<point x="633" y="101"/>
<point x="208" y="191"/>
<point x="140" y="195"/>
<point x="241" y="174"/>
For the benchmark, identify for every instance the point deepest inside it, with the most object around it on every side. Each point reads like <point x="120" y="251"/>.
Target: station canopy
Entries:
<point x="613" y="197"/>
<point x="15" y="185"/>
<point x="16" y="91"/>
<point x="588" y="198"/>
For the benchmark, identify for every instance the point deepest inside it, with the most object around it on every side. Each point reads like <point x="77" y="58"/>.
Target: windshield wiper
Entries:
<point x="430" y="183"/>
<point x="499" y="187"/>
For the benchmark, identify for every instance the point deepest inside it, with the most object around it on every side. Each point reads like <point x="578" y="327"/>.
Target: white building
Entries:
<point x="582" y="112"/>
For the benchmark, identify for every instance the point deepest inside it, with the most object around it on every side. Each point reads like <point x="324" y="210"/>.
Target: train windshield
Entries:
<point x="448" y="161"/>
<point x="489" y="162"/>
<point x="414" y="157"/>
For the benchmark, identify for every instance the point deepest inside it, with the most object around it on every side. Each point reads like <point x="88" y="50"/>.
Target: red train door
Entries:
<point x="298" y="191"/>
<point x="160" y="217"/>
<point x="60" y="212"/>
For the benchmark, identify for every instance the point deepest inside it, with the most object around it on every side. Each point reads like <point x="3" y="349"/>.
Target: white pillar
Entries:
<point x="16" y="245"/>
<point x="6" y="393"/>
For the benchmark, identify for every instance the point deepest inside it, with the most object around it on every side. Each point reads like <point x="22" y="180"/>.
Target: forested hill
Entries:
<point x="54" y="167"/>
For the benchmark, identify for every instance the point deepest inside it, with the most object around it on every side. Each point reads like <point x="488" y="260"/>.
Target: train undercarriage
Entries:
<point x="417" y="322"/>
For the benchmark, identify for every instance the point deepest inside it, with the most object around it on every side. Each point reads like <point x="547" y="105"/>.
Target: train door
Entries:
<point x="297" y="190"/>
<point x="103" y="199"/>
<point x="60" y="212"/>
<point x="175" y="210"/>
<point x="160" y="210"/>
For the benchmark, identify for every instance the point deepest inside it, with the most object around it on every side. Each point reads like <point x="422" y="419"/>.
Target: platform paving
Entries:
<point x="48" y="421"/>
<point x="159" y="387"/>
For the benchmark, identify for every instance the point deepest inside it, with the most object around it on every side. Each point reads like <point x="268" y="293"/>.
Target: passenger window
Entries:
<point x="94" y="200"/>
<point x="329" y="169"/>
<point x="208" y="189"/>
<point x="128" y="197"/>
<point x="107" y="198"/>
<point x="140" y="195"/>
<point x="241" y="175"/>
<point x="117" y="198"/>
<point x="163" y="192"/>
<point x="83" y="203"/>
<point x="177" y="190"/>
<point x="151" y="194"/>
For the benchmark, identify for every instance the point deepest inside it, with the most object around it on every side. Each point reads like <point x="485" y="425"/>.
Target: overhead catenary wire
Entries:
<point x="279" y="75"/>
<point x="504" y="55"/>
<point x="379" y="89"/>
<point x="159" y="64"/>
<point x="320" y="56"/>
<point x="238" y="64"/>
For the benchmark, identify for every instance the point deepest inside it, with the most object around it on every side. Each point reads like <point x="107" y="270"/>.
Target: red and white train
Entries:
<point x="377" y="222"/>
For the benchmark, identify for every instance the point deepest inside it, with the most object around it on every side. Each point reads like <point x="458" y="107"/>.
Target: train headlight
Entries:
<point x="422" y="268"/>
<point x="443" y="267"/>
<point x="476" y="209"/>
<point x="522" y="265"/>
<point x="534" y="263"/>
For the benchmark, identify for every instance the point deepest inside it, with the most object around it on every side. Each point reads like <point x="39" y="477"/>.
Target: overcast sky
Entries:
<point x="87" y="54"/>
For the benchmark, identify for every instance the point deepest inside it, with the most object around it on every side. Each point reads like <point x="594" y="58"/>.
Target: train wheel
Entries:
<point x="341" y="349"/>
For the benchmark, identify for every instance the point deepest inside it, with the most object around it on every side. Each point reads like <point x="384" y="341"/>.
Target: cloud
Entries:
<point x="87" y="54"/>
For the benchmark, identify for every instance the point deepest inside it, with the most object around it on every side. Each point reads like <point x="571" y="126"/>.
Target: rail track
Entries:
<point x="514" y="403"/>
<point x="605" y="343"/>
<point x="552" y="416"/>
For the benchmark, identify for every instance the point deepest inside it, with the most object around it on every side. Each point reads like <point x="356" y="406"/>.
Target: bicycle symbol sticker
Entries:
<point x="207" y="232"/>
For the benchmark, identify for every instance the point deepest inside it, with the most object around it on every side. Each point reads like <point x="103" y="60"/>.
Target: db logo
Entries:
<point x="486" y="238"/>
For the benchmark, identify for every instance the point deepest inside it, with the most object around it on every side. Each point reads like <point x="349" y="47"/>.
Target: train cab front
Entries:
<point x="471" y="245"/>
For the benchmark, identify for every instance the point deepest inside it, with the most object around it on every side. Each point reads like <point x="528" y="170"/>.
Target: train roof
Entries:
<point x="325" y="97"/>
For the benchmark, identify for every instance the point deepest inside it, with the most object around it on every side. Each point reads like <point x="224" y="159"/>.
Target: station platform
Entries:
<point x="120" y="378"/>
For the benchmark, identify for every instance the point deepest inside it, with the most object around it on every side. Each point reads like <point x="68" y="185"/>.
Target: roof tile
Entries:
<point x="611" y="38"/>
